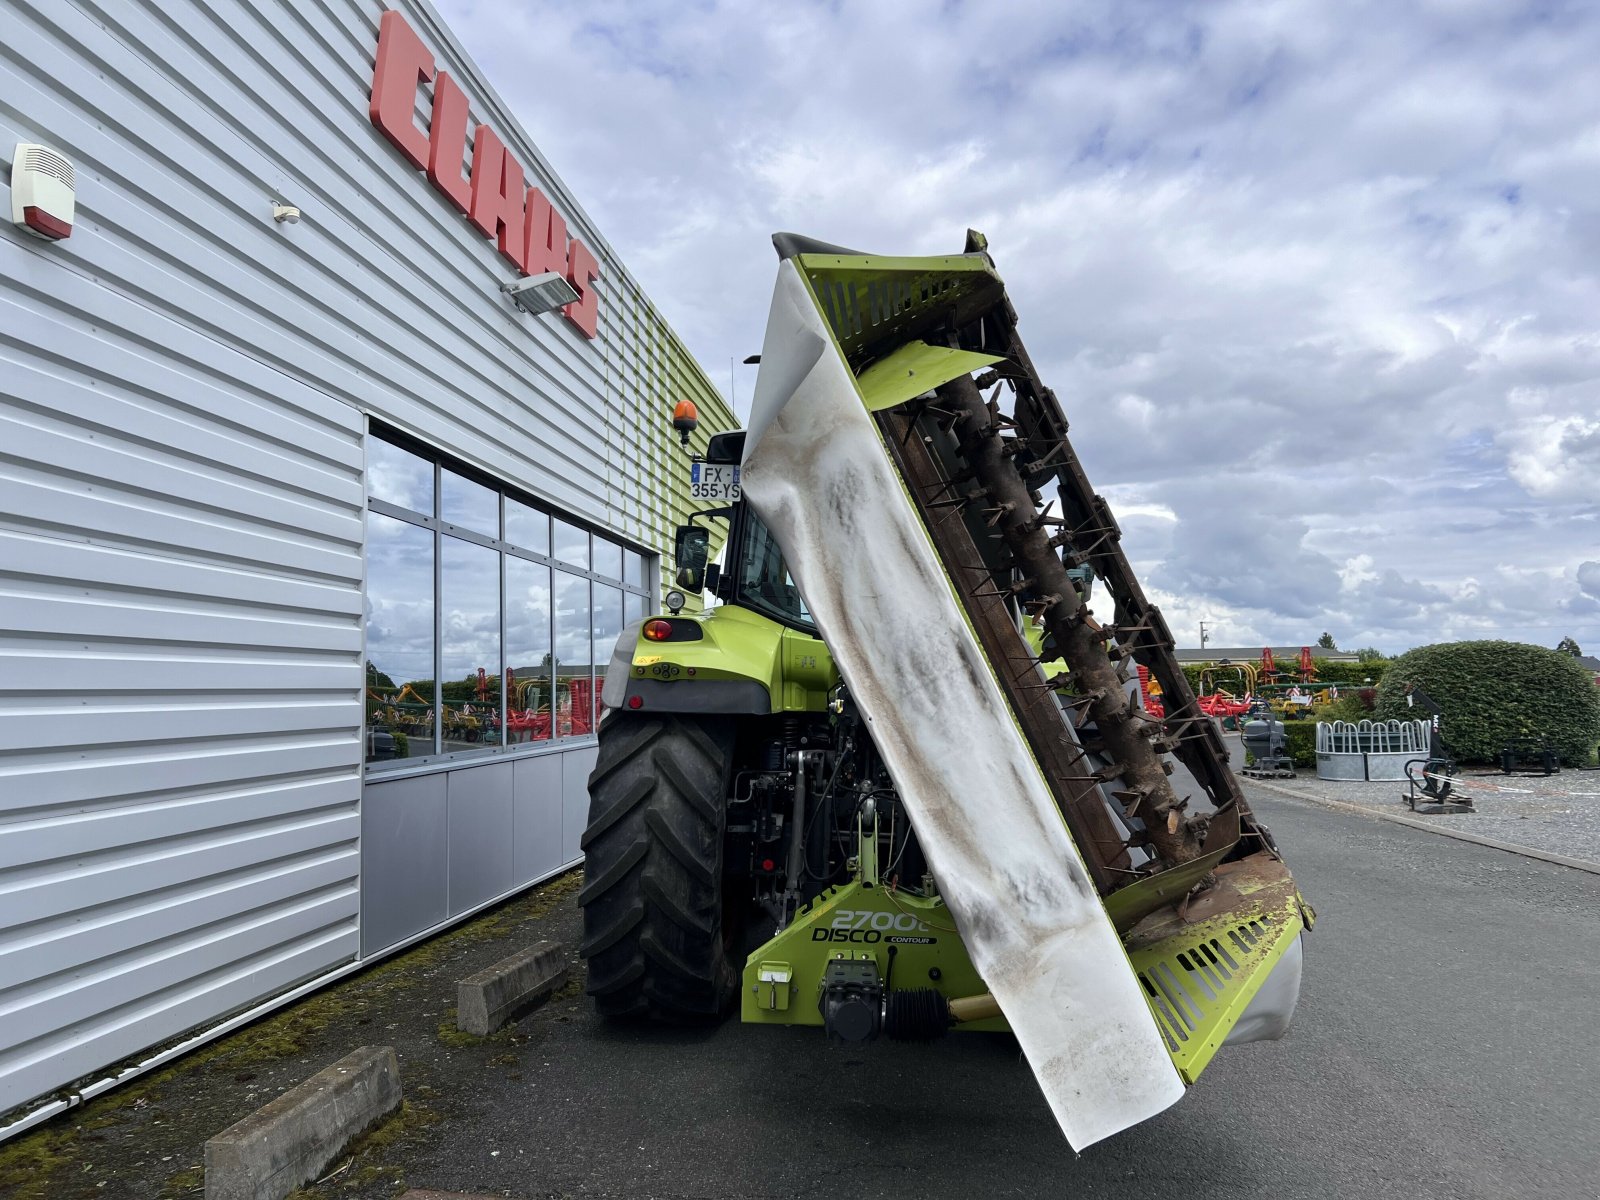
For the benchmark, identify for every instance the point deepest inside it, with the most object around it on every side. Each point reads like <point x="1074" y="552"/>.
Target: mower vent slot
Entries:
<point x="870" y="306"/>
<point x="1209" y="966"/>
<point x="858" y="307"/>
<point x="1180" y="1012"/>
<point x="1247" y="936"/>
<point x="1172" y="1030"/>
<point x="1187" y="987"/>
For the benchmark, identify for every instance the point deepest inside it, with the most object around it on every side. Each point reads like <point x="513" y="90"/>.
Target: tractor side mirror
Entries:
<point x="692" y="549"/>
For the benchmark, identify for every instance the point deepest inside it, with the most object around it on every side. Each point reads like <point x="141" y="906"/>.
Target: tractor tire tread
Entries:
<point x="652" y="901"/>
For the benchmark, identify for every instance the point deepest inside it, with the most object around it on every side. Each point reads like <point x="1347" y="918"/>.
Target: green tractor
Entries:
<point x="748" y="843"/>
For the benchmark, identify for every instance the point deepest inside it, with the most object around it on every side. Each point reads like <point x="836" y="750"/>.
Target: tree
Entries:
<point x="1493" y="692"/>
<point x="1370" y="654"/>
<point x="1326" y="641"/>
<point x="1570" y="646"/>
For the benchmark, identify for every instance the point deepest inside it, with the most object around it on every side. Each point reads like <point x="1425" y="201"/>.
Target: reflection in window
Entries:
<point x="400" y="693"/>
<point x="469" y="594"/>
<point x="469" y="505"/>
<point x="475" y="648"/>
<point x="527" y="527"/>
<point x="607" y="558"/>
<point x="572" y="545"/>
<point x="574" y="683"/>
<point x="529" y="713"/>
<point x="399" y="476"/>
<point x="607" y="625"/>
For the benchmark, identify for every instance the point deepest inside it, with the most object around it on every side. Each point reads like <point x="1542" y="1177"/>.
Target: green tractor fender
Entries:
<point x="727" y="660"/>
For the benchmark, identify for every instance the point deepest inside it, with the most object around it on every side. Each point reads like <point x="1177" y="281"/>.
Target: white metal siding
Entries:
<point x="185" y="122"/>
<point x="183" y="386"/>
<point x="180" y="649"/>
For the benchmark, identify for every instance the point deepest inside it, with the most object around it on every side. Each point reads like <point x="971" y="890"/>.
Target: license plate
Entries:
<point x="711" y="481"/>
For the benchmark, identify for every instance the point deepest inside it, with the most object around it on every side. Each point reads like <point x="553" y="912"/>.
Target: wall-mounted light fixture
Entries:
<point x="536" y="294"/>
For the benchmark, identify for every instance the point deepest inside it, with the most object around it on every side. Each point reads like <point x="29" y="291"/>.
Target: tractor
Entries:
<point x="775" y="822"/>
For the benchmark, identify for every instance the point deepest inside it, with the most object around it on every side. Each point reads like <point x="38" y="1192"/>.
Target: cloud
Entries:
<point x="1555" y="457"/>
<point x="1314" y="279"/>
<point x="1589" y="579"/>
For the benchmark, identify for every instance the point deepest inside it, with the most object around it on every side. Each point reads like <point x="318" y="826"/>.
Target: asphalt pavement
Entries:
<point x="1444" y="1047"/>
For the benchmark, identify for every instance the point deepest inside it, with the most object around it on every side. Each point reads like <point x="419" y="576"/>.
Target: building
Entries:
<point x="312" y="540"/>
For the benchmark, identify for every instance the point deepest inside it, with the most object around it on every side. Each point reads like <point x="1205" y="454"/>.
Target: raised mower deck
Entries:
<point x="1118" y="919"/>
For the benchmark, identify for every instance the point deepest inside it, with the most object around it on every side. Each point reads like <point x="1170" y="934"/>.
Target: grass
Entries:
<point x="191" y="1181"/>
<point x="367" y="1159"/>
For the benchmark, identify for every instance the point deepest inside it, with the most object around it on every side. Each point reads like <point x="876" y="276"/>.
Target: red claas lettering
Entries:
<point x="495" y="198"/>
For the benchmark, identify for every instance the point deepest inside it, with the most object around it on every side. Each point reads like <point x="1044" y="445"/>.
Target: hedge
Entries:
<point x="1301" y="737"/>
<point x="1492" y="692"/>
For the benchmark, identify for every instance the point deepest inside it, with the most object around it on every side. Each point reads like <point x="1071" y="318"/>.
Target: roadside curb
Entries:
<point x="288" y="1141"/>
<point x="1461" y="835"/>
<point x="498" y="994"/>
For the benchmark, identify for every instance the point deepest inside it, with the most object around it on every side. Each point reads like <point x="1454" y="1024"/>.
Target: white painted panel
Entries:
<point x="575" y="768"/>
<point x="404" y="859"/>
<point x="536" y="817"/>
<point x="479" y="835"/>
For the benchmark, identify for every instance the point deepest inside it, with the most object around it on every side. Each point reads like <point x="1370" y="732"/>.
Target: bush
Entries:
<point x="1301" y="737"/>
<point x="1347" y="707"/>
<point x="1492" y="692"/>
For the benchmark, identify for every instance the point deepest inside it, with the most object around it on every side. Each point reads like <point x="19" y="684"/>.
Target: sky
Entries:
<point x="1315" y="283"/>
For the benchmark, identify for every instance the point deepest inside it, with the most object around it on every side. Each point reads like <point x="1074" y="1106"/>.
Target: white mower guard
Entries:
<point x="817" y="472"/>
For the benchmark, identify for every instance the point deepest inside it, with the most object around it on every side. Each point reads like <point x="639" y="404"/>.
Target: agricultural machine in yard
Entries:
<point x="900" y="780"/>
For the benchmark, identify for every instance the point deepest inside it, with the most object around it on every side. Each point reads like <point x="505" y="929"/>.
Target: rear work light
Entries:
<point x="658" y="630"/>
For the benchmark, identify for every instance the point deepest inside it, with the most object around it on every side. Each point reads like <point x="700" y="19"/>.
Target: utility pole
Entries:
<point x="1204" y="637"/>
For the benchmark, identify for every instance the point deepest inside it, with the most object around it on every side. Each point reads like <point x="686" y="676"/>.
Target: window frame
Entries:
<point x="437" y="757"/>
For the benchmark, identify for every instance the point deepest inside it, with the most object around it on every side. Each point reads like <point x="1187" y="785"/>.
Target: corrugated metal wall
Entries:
<point x="180" y="647"/>
<point x="183" y="388"/>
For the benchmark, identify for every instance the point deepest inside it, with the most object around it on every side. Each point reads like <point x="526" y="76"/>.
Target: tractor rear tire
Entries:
<point x="653" y="935"/>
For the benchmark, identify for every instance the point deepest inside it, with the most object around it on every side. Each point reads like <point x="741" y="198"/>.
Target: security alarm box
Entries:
<point x="42" y="191"/>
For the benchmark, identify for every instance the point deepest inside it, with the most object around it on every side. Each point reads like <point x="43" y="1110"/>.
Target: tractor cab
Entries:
<point x="753" y="574"/>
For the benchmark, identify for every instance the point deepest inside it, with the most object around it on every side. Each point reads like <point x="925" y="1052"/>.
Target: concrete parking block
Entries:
<point x="289" y="1141"/>
<point x="499" y="994"/>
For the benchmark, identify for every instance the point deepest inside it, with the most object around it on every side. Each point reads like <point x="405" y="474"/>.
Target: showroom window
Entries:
<point x="490" y="619"/>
